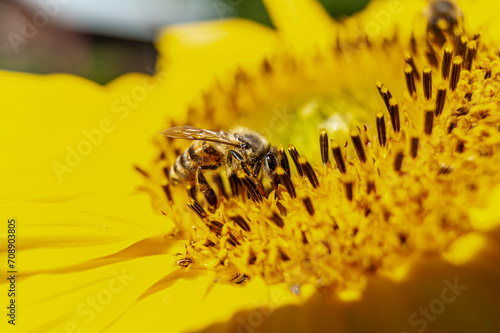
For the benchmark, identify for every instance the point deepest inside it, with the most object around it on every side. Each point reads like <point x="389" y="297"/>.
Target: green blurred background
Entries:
<point x="102" y="57"/>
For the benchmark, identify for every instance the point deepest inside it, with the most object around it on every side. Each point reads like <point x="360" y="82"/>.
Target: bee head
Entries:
<point x="271" y="161"/>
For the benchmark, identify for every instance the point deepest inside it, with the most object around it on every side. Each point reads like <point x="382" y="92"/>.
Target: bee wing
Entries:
<point x="195" y="133"/>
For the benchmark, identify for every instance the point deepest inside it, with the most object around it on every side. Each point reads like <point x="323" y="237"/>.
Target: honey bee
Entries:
<point x="443" y="20"/>
<point x="241" y="150"/>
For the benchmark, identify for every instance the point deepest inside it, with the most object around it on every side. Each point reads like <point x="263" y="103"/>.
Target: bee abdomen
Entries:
<point x="200" y="153"/>
<point x="184" y="168"/>
<point x="193" y="155"/>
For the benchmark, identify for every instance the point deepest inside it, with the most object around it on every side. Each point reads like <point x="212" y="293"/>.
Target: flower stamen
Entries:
<point x="427" y="83"/>
<point x="446" y="64"/>
<point x="358" y="145"/>
<point x="455" y="72"/>
<point x="295" y="157"/>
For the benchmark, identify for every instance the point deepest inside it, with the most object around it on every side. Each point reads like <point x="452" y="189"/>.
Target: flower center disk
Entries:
<point x="364" y="200"/>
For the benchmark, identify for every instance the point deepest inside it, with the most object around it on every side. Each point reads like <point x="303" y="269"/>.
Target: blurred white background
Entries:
<point x="134" y="19"/>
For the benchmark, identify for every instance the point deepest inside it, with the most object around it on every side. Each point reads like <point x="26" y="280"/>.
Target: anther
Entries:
<point x="166" y="190"/>
<point x="323" y="144"/>
<point x="309" y="206"/>
<point x="413" y="44"/>
<point x="470" y="54"/>
<point x="410" y="80"/>
<point x="309" y="171"/>
<point x="233" y="240"/>
<point x="455" y="72"/>
<point x="283" y="255"/>
<point x="452" y="125"/>
<point x="327" y="245"/>
<point x="286" y="181"/>
<point x="431" y="56"/>
<point x="446" y="64"/>
<point x="384" y="93"/>
<point x="461" y="48"/>
<point x="358" y="145"/>
<point x="304" y="238"/>
<point x="241" y="222"/>
<point x="337" y="154"/>
<point x="141" y="171"/>
<point x="284" y="160"/>
<point x="281" y="208"/>
<point x="398" y="161"/>
<point x="364" y="134"/>
<point x="252" y="258"/>
<point x="195" y="207"/>
<point x="295" y="157"/>
<point x="394" y="113"/>
<point x="216" y="227"/>
<point x="414" y="147"/>
<point x="220" y="184"/>
<point x="370" y="187"/>
<point x="266" y="67"/>
<point x="277" y="220"/>
<point x="348" y="190"/>
<point x="235" y="184"/>
<point x="429" y="120"/>
<point x="409" y="61"/>
<point x="251" y="187"/>
<point x="402" y="238"/>
<point x="440" y="99"/>
<point x="382" y="138"/>
<point x="444" y="169"/>
<point x="427" y="83"/>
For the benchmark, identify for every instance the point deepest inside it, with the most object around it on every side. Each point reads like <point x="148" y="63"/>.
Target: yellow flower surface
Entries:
<point x="385" y="219"/>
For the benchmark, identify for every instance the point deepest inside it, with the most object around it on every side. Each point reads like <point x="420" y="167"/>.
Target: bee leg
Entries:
<point x="254" y="188"/>
<point x="192" y="191"/>
<point x="240" y="159"/>
<point x="205" y="187"/>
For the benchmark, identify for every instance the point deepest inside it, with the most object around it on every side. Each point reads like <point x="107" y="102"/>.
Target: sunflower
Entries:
<point x="381" y="215"/>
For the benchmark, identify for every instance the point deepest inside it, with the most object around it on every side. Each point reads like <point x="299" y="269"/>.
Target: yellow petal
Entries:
<point x="384" y="18"/>
<point x="195" y="52"/>
<point x="487" y="217"/>
<point x="301" y="24"/>
<point x="482" y="16"/>
<point x="79" y="230"/>
<point x="63" y="134"/>
<point x="88" y="300"/>
<point x="198" y="300"/>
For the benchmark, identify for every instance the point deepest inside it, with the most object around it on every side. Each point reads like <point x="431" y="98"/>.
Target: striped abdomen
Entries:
<point x="199" y="154"/>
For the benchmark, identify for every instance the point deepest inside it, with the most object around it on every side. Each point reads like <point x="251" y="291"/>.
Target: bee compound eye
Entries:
<point x="270" y="161"/>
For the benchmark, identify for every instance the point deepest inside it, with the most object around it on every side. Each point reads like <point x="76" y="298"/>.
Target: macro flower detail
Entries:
<point x="335" y="223"/>
<point x="380" y="216"/>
